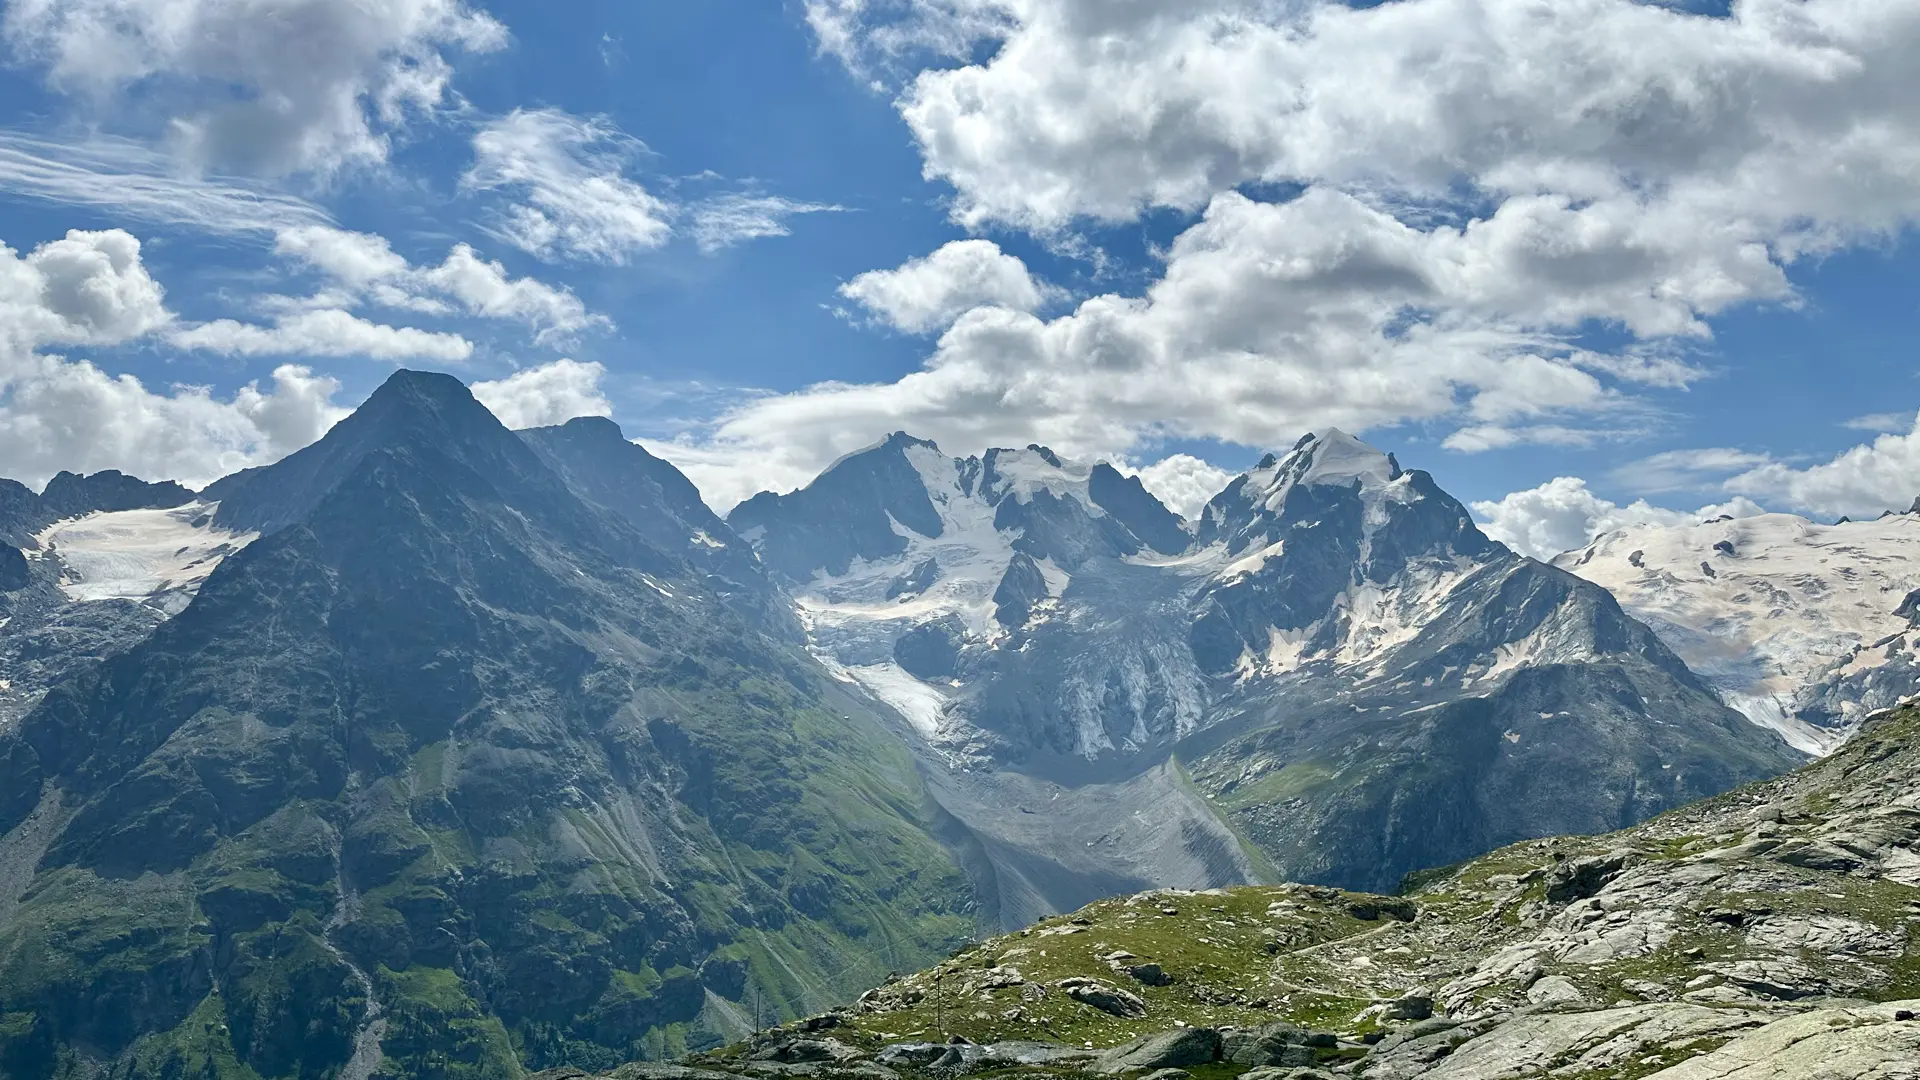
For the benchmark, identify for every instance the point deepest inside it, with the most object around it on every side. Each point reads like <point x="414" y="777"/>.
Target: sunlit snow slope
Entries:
<point x="1802" y="627"/>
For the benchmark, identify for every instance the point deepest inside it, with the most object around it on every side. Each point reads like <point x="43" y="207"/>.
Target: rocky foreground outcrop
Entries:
<point x="1769" y="934"/>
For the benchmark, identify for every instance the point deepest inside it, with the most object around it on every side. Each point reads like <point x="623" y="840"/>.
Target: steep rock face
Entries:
<point x="1804" y="628"/>
<point x="451" y="764"/>
<point x="1350" y="672"/>
<point x="845" y="514"/>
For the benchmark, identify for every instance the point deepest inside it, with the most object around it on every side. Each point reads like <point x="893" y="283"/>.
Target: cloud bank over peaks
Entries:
<point x="1563" y="514"/>
<point x="1464" y="191"/>
<point x="271" y="87"/>
<point x="1184" y="483"/>
<point x="1859" y="482"/>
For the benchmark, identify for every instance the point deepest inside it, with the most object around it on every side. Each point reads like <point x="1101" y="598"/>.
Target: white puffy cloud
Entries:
<point x="726" y="220"/>
<point x="1860" y="482"/>
<point x="1086" y="107"/>
<point x="1466" y="186"/>
<point x="271" y="86"/>
<point x="362" y="266"/>
<point x="1185" y="483"/>
<point x="552" y="393"/>
<point x="724" y="478"/>
<point x="91" y="288"/>
<point x="928" y="293"/>
<point x="1562" y="514"/>
<point x="87" y="288"/>
<point x="1270" y="319"/>
<point x="321" y="332"/>
<point x="569" y="173"/>
<point x="57" y="414"/>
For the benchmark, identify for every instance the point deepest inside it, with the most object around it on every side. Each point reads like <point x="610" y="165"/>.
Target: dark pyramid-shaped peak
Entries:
<point x="412" y="409"/>
<point x="847" y="512"/>
<point x="600" y="465"/>
<point x="597" y="458"/>
<point x="1127" y="500"/>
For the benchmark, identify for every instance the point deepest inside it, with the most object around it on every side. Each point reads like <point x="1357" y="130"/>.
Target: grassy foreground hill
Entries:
<point x="1772" y="933"/>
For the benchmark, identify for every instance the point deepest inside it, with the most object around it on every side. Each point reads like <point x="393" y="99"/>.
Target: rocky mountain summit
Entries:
<point x="1772" y="933"/>
<point x="1331" y="676"/>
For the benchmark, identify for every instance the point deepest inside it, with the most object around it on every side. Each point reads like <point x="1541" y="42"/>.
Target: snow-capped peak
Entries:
<point x="1330" y="457"/>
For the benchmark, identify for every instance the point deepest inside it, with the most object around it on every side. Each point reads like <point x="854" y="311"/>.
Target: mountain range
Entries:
<point x="437" y="749"/>
<point x="1332" y="676"/>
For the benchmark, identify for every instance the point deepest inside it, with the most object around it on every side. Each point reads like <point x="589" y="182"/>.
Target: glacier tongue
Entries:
<point x="1795" y="623"/>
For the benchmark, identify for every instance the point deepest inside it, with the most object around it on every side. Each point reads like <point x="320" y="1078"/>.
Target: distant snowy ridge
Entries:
<point x="1804" y="628"/>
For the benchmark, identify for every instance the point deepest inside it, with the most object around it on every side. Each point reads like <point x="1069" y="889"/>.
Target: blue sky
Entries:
<point x="1679" y="269"/>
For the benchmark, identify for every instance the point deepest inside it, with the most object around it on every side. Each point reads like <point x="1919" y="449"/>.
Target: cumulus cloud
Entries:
<point x="323" y="332"/>
<point x="1466" y="188"/>
<point x="1781" y="108"/>
<point x="726" y="220"/>
<point x="928" y="293"/>
<point x="1859" y="482"/>
<point x="552" y="393"/>
<point x="58" y="414"/>
<point x="91" y="288"/>
<point x="1270" y="319"/>
<point x="1185" y="483"/>
<point x="724" y="478"/>
<point x="88" y="288"/>
<point x="269" y="86"/>
<point x="569" y="175"/>
<point x="362" y="267"/>
<point x="1563" y="514"/>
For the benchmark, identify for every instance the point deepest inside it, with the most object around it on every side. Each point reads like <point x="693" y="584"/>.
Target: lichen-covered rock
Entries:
<point x="1104" y="996"/>
<point x="1166" y="1049"/>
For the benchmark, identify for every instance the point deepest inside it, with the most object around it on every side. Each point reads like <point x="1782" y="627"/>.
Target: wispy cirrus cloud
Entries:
<point x="137" y="184"/>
